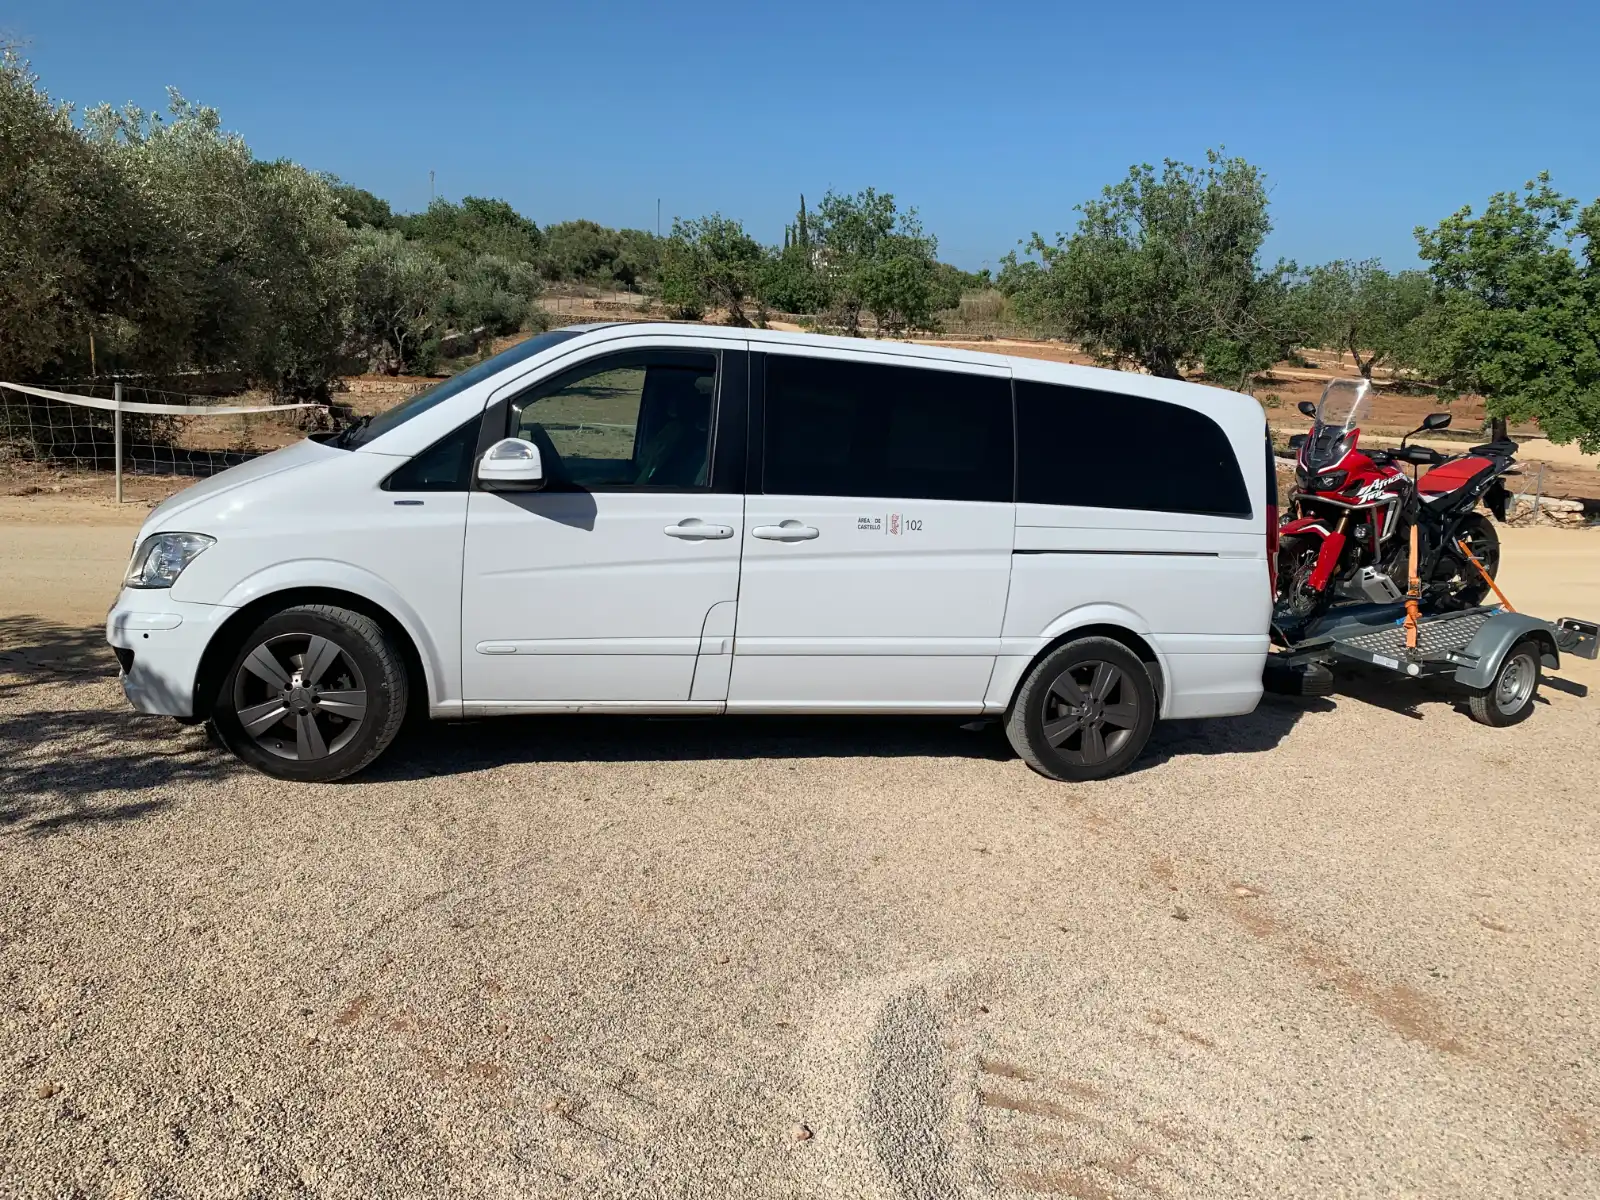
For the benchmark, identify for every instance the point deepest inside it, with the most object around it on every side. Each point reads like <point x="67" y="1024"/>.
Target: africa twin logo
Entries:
<point x="1376" y="490"/>
<point x="893" y="524"/>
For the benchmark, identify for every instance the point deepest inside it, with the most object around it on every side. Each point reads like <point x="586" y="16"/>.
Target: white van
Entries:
<point x="643" y="518"/>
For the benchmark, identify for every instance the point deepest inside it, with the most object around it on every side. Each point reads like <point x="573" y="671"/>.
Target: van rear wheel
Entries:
<point x="1084" y="712"/>
<point x="315" y="693"/>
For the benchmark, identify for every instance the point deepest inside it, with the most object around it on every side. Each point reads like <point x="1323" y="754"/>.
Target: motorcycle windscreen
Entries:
<point x="1344" y="404"/>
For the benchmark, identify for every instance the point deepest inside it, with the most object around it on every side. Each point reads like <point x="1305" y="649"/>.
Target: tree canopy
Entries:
<point x="1364" y="310"/>
<point x="476" y="226"/>
<point x="1161" y="271"/>
<point x="875" y="259"/>
<point x="710" y="261"/>
<point x="1516" y="312"/>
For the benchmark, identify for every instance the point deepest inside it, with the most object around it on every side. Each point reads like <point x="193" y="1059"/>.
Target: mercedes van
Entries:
<point x="664" y="518"/>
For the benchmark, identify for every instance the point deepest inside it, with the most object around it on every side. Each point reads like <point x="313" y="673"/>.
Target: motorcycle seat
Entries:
<point x="1452" y="475"/>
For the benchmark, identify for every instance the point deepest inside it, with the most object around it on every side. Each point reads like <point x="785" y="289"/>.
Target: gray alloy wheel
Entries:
<point x="300" y="696"/>
<point x="315" y="693"/>
<point x="1084" y="711"/>
<point x="1511" y="693"/>
<point x="1089" y="712"/>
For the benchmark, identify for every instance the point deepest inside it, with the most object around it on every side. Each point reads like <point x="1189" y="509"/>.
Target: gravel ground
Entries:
<point x="1340" y="947"/>
<point x="618" y="957"/>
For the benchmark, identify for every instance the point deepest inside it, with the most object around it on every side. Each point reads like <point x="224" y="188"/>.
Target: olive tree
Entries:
<point x="69" y="233"/>
<point x="709" y="262"/>
<point x="239" y="263"/>
<point x="396" y="286"/>
<point x="876" y="259"/>
<point x="1516" y="312"/>
<point x="1361" y="308"/>
<point x="1161" y="270"/>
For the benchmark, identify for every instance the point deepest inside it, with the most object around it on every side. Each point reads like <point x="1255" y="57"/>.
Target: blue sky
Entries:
<point x="993" y="120"/>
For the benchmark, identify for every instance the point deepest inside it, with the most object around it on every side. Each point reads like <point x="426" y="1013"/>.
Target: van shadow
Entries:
<point x="446" y="748"/>
<point x="67" y="760"/>
<point x="457" y="747"/>
<point x="1254" y="733"/>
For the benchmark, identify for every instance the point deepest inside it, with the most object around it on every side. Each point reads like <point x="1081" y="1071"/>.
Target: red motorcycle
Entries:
<point x="1347" y="534"/>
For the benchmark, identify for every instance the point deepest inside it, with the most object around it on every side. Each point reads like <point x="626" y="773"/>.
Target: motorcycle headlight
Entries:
<point x="161" y="558"/>
<point x="1331" y="481"/>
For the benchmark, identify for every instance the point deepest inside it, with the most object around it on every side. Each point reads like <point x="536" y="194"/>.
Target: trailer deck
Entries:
<point x="1470" y="644"/>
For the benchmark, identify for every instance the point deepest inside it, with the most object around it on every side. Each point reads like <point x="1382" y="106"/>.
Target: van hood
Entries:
<point x="288" y="459"/>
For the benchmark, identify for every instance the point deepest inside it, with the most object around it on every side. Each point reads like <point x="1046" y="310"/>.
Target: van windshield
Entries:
<point x="376" y="426"/>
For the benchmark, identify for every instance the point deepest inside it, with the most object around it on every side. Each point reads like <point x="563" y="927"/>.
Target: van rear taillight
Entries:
<point x="1272" y="517"/>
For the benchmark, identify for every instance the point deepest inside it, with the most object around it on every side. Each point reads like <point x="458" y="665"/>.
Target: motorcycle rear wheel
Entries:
<point x="1456" y="581"/>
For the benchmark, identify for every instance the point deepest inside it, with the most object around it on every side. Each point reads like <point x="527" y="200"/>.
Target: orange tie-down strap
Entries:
<point x="1413" y="594"/>
<point x="1495" y="587"/>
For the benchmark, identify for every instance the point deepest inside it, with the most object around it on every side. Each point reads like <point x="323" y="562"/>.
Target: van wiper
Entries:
<point x="347" y="434"/>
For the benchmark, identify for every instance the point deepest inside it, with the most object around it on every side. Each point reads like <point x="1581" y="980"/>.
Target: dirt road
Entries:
<point x="1338" y="947"/>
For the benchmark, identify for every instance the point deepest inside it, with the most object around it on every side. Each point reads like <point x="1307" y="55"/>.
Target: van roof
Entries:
<point x="1099" y="378"/>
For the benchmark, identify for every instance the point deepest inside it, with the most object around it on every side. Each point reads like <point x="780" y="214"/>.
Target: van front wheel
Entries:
<point x="315" y="693"/>
<point x="1084" y="712"/>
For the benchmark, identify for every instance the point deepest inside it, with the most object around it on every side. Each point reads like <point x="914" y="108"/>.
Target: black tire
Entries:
<point x="342" y="695"/>
<point x="1510" y="696"/>
<point x="1458" y="581"/>
<point x="1057" y="716"/>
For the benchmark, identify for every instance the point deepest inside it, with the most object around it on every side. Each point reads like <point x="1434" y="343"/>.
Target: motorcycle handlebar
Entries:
<point x="1422" y="456"/>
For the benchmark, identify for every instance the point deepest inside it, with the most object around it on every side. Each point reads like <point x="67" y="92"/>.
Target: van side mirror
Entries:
<point x="1308" y="408"/>
<point x="511" y="465"/>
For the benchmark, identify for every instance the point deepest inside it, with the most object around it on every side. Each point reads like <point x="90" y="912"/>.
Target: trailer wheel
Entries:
<point x="1510" y="695"/>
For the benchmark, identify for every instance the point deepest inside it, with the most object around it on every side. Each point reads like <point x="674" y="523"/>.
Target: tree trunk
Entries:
<point x="1497" y="429"/>
<point x="1161" y="364"/>
<point x="1364" y="367"/>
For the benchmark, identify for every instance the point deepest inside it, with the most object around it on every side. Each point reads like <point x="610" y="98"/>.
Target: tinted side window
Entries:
<point x="856" y="429"/>
<point x="1095" y="449"/>
<point x="445" y="466"/>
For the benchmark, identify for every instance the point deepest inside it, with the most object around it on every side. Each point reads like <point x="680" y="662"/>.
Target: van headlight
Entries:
<point x="161" y="558"/>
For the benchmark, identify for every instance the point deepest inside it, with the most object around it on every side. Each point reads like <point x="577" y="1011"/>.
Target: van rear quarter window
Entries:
<point x="1091" y="449"/>
<point x="836" y="428"/>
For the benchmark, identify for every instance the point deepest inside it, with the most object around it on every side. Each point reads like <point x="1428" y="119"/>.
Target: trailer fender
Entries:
<point x="1498" y="634"/>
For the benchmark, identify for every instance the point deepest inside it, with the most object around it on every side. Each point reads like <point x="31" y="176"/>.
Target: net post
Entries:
<point x="116" y="434"/>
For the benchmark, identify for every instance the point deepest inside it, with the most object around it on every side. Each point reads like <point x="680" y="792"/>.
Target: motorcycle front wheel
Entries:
<point x="1298" y="601"/>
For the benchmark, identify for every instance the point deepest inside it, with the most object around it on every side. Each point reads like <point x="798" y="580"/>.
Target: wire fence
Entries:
<point x="136" y="430"/>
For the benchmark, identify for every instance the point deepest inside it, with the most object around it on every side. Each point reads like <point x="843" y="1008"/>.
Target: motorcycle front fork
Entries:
<point x="1328" y="556"/>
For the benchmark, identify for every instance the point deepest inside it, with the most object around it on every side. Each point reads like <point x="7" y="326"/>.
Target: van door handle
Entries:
<point x="695" y="529"/>
<point x="787" y="531"/>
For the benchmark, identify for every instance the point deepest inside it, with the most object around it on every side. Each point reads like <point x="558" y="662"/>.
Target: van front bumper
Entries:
<point x="159" y="642"/>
